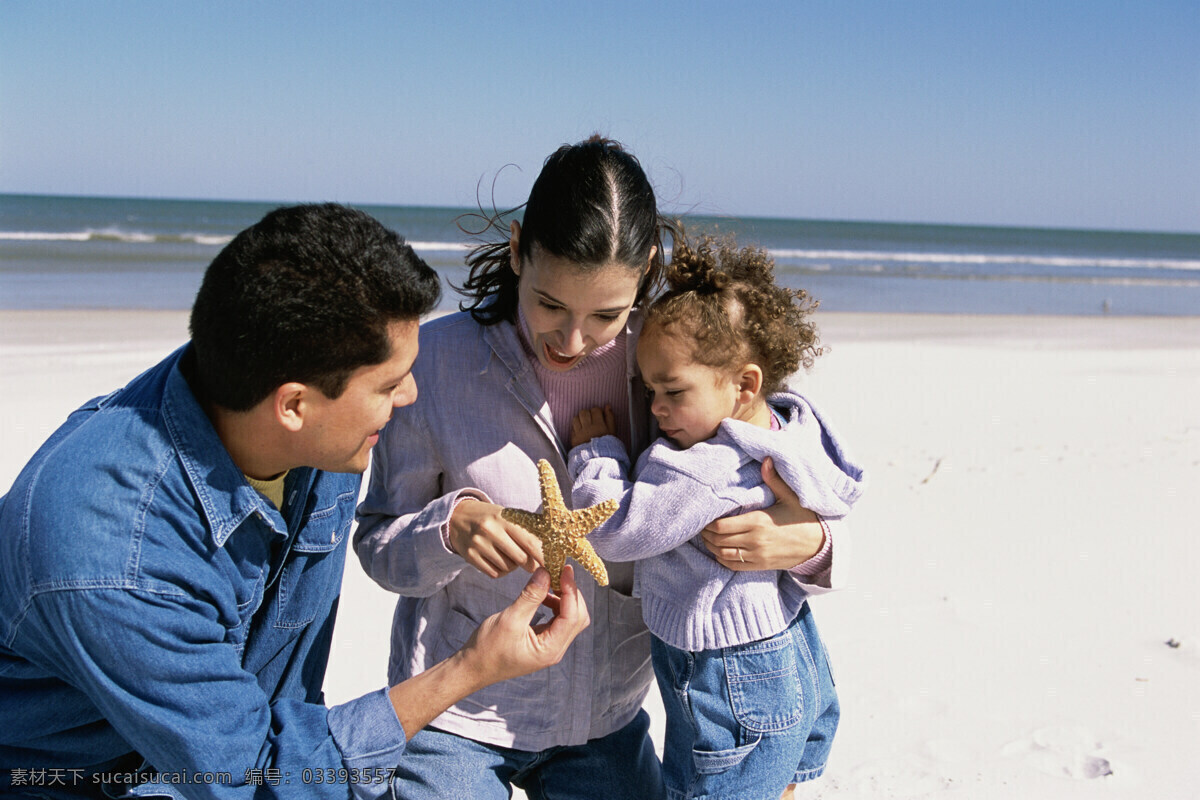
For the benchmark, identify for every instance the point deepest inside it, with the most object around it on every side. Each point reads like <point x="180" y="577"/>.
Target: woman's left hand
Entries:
<point x="779" y="537"/>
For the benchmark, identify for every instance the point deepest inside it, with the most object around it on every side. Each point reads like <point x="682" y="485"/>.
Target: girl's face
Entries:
<point x="689" y="400"/>
<point x="571" y="311"/>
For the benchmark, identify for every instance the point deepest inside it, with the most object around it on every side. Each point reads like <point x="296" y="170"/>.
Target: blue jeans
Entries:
<point x="745" y="721"/>
<point x="443" y="766"/>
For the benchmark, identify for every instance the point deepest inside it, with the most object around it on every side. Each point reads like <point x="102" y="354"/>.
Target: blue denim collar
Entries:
<point x="226" y="499"/>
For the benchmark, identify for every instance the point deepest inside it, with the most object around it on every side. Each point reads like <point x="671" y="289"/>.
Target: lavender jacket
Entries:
<point x="689" y="600"/>
<point x="478" y="427"/>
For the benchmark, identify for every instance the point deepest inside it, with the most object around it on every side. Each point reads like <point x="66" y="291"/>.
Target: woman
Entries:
<point x="549" y="330"/>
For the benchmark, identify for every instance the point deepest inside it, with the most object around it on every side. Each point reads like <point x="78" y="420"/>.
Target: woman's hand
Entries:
<point x="779" y="537"/>
<point x="490" y="543"/>
<point x="592" y="423"/>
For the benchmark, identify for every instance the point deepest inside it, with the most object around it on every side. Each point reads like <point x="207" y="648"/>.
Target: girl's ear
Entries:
<point x="650" y="260"/>
<point x="514" y="247"/>
<point x="750" y="383"/>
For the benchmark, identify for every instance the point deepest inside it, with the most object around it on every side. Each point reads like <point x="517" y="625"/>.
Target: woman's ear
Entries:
<point x="650" y="260"/>
<point x="514" y="247"/>
<point x="750" y="383"/>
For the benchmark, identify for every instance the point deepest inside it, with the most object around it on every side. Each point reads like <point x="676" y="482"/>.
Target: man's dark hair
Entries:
<point x="306" y="294"/>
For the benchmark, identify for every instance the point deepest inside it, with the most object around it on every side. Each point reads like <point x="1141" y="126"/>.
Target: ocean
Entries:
<point x="101" y="252"/>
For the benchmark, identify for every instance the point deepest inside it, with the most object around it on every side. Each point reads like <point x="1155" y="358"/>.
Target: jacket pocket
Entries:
<point x="312" y="577"/>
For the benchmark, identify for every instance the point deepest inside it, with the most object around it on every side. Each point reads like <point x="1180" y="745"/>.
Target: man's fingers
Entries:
<point x="552" y="602"/>
<point x="568" y="594"/>
<point x="535" y="591"/>
<point x="571" y="618"/>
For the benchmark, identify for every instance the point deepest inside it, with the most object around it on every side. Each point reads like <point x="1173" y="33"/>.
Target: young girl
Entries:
<point x="751" y="709"/>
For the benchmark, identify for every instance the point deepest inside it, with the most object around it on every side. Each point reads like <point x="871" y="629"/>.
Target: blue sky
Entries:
<point x="1043" y="113"/>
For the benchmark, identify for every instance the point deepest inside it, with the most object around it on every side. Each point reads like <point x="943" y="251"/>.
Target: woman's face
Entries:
<point x="570" y="310"/>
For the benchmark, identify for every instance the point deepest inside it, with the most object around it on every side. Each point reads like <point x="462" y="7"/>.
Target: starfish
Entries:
<point x="562" y="530"/>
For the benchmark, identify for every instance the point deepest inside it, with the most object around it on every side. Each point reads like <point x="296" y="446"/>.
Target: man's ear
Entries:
<point x="750" y="383"/>
<point x="514" y="247"/>
<point x="290" y="405"/>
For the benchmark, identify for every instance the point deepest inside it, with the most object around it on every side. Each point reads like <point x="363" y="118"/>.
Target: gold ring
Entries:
<point x="740" y="556"/>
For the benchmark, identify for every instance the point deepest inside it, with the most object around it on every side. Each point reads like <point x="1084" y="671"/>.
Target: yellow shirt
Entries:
<point x="271" y="489"/>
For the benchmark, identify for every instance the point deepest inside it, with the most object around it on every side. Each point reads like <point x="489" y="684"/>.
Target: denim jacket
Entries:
<point x="158" y="614"/>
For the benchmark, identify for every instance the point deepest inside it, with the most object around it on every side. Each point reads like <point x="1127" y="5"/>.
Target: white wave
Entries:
<point x="207" y="238"/>
<point x="114" y="235"/>
<point x="138" y="237"/>
<point x="133" y="237"/>
<point x="981" y="258"/>
<point x="878" y="256"/>
<point x="427" y="247"/>
<point x="39" y="236"/>
<point x="1182" y="283"/>
<point x="90" y="234"/>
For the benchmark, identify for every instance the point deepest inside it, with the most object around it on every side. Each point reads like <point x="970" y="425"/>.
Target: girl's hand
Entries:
<point x="779" y="537"/>
<point x="490" y="543"/>
<point x="592" y="423"/>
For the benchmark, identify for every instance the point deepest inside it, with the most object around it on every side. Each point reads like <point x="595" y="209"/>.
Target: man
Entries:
<point x="171" y="558"/>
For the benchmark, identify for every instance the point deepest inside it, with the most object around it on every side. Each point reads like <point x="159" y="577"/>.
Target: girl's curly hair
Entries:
<point x="726" y="299"/>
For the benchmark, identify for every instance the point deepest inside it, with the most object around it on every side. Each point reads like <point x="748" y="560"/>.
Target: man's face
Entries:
<point x="344" y="430"/>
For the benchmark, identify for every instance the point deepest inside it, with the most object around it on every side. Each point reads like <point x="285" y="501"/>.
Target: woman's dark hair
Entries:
<point x="726" y="301"/>
<point x="306" y="294"/>
<point x="591" y="205"/>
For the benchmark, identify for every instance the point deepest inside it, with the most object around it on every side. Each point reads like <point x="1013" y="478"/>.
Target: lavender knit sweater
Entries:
<point x="689" y="600"/>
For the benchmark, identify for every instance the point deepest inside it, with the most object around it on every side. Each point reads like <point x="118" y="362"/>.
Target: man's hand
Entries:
<point x="779" y="537"/>
<point x="592" y="423"/>
<point x="504" y="646"/>
<point x="490" y="543"/>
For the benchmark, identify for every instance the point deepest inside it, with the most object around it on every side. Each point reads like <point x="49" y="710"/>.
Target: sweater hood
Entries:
<point x="827" y="479"/>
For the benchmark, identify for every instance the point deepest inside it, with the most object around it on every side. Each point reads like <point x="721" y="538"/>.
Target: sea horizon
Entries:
<point x="87" y="251"/>
<point x="473" y="209"/>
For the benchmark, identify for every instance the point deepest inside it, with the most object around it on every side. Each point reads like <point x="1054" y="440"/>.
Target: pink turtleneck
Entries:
<point x="599" y="379"/>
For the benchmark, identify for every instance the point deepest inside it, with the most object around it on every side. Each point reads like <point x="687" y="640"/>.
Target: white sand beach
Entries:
<point x="1018" y="623"/>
